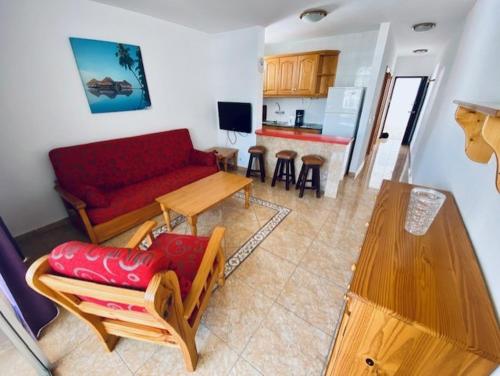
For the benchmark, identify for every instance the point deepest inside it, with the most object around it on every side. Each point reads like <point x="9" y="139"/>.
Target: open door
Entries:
<point x="380" y="114"/>
<point x="404" y="108"/>
<point x="415" y="112"/>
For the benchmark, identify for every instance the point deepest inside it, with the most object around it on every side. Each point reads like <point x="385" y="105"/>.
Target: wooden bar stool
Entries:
<point x="257" y="152"/>
<point x="285" y="166"/>
<point x="310" y="163"/>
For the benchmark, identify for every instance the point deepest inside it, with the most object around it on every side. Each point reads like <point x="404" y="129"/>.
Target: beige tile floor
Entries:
<point x="278" y="311"/>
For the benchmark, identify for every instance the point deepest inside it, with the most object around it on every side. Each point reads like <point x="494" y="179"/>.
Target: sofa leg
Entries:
<point x="88" y="226"/>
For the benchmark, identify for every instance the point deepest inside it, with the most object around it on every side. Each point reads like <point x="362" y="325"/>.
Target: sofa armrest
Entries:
<point x="145" y="231"/>
<point x="70" y="198"/>
<point x="202" y="158"/>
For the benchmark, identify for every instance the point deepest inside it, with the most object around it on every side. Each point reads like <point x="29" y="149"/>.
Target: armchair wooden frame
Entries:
<point x="168" y="319"/>
<point x="77" y="211"/>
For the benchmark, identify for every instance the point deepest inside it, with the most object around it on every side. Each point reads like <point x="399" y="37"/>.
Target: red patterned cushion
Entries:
<point x="130" y="267"/>
<point x="185" y="252"/>
<point x="116" y="163"/>
<point x="108" y="265"/>
<point x="138" y="195"/>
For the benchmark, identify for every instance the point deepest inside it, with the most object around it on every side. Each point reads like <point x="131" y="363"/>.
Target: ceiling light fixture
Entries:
<point x="423" y="26"/>
<point x="421" y="51"/>
<point x="313" y="15"/>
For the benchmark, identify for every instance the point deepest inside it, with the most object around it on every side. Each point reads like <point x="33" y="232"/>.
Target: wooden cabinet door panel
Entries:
<point x="287" y="75"/>
<point x="307" y="74"/>
<point x="376" y="343"/>
<point x="271" y="76"/>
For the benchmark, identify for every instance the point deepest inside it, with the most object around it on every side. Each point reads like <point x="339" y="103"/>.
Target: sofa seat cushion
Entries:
<point x="136" y="196"/>
<point x="184" y="251"/>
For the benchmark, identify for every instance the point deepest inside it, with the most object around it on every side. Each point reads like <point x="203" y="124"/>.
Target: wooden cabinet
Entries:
<point x="287" y="75"/>
<point x="307" y="74"/>
<point x="417" y="305"/>
<point x="271" y="76"/>
<point x="300" y="75"/>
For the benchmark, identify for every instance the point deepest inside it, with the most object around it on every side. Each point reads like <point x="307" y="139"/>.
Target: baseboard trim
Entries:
<point x="51" y="226"/>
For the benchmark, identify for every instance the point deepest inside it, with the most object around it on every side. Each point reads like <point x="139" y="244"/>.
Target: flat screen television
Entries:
<point x="235" y="116"/>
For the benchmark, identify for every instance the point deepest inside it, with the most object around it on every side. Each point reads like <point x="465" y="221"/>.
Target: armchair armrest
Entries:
<point x="202" y="158"/>
<point x="142" y="233"/>
<point x="200" y="280"/>
<point x="70" y="198"/>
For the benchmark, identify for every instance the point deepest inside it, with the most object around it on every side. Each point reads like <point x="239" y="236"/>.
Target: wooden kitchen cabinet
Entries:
<point x="307" y="74"/>
<point x="287" y="75"/>
<point x="300" y="75"/>
<point x="417" y="305"/>
<point x="271" y="76"/>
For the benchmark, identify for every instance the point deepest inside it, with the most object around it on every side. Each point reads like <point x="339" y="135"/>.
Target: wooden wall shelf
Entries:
<point x="481" y="124"/>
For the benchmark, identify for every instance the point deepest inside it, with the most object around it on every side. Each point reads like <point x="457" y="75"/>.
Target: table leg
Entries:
<point x="166" y="217"/>
<point x="248" y="190"/>
<point x="235" y="160"/>
<point x="225" y="164"/>
<point x="192" y="222"/>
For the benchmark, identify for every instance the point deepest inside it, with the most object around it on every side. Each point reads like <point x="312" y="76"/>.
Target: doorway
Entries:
<point x="403" y="110"/>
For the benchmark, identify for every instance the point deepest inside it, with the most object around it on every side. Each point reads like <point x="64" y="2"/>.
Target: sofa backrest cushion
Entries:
<point x="116" y="163"/>
<point x="108" y="265"/>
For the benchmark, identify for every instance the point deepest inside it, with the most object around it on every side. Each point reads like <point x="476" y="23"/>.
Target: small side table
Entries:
<point x="224" y="155"/>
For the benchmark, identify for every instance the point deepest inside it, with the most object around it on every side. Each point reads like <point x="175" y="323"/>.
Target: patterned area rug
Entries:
<point x="246" y="249"/>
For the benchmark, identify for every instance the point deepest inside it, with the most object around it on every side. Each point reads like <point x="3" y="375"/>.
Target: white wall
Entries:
<point x="43" y="104"/>
<point x="471" y="73"/>
<point x="383" y="58"/>
<point x="314" y="109"/>
<point x="415" y="65"/>
<point x="237" y="78"/>
<point x="355" y="59"/>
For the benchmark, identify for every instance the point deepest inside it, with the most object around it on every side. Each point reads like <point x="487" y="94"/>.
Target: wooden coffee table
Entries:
<point x="195" y="198"/>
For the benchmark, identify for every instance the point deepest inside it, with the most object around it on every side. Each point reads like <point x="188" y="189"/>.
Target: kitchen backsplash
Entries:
<point x="314" y="109"/>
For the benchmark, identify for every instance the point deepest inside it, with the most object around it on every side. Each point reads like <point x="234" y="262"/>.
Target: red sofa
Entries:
<point x="110" y="186"/>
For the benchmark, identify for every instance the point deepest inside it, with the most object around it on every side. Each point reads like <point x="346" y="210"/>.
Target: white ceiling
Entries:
<point x="280" y="17"/>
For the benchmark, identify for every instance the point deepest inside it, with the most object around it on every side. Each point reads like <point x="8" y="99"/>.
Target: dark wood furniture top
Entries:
<point x="286" y="154"/>
<point x="257" y="149"/>
<point x="313" y="160"/>
<point x="432" y="281"/>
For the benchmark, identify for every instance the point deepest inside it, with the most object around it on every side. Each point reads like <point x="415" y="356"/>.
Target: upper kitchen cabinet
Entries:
<point x="271" y="76"/>
<point x="288" y="72"/>
<point x="308" y="74"/>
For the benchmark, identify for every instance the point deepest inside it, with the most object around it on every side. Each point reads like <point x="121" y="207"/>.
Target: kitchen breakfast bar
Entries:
<point x="335" y="151"/>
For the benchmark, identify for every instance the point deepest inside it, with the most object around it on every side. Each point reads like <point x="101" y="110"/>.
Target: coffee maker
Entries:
<point x="299" y="118"/>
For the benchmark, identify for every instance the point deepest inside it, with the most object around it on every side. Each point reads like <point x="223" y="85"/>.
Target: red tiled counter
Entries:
<point x="335" y="150"/>
<point x="303" y="136"/>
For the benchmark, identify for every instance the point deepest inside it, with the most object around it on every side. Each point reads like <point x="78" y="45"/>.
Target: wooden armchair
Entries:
<point x="164" y="317"/>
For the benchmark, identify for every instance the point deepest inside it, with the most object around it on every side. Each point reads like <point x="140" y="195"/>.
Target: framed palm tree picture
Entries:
<point x="112" y="74"/>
